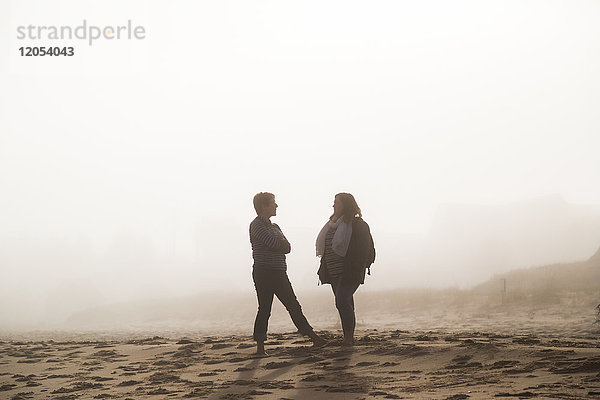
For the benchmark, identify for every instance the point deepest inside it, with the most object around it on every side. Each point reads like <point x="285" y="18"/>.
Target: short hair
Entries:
<point x="262" y="199"/>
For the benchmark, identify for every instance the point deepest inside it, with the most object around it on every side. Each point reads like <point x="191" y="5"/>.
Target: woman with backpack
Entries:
<point x="346" y="248"/>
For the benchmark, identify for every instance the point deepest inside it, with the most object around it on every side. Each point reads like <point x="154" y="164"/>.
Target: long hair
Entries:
<point x="351" y="208"/>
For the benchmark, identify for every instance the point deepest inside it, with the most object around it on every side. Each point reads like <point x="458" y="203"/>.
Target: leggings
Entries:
<point x="344" y="302"/>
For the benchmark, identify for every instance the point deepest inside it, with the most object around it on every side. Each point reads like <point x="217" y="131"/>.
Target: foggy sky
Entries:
<point x="130" y="168"/>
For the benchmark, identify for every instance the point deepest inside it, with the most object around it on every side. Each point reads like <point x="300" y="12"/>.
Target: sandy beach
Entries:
<point x="384" y="364"/>
<point x="411" y="344"/>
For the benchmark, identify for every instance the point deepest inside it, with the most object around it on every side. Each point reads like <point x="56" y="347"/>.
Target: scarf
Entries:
<point x="341" y="237"/>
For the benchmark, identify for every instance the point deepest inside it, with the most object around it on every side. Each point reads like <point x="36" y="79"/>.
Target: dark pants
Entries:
<point x="269" y="282"/>
<point x="344" y="302"/>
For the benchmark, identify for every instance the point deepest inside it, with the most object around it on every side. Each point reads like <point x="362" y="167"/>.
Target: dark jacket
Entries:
<point x="359" y="257"/>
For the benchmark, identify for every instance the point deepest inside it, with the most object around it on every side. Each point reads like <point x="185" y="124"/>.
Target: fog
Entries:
<point x="467" y="131"/>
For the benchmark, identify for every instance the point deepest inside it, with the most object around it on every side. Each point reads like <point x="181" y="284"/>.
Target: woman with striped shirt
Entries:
<point x="269" y="272"/>
<point x="346" y="248"/>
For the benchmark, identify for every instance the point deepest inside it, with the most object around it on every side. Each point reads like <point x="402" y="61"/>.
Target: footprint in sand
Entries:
<point x="589" y="366"/>
<point x="519" y="395"/>
<point x="366" y="363"/>
<point x="385" y="395"/>
<point x="312" y="377"/>
<point x="277" y="364"/>
<point x="277" y="385"/>
<point x="163" y="378"/>
<point x="504" y="364"/>
<point x="129" y="383"/>
<point x="219" y="346"/>
<point x="203" y="374"/>
<point x="254" y="392"/>
<point x="22" y="396"/>
<point x="461" y="359"/>
<point x="160" y="391"/>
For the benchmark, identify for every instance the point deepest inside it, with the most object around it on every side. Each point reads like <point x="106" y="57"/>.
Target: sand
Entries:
<point x="425" y="346"/>
<point x="384" y="364"/>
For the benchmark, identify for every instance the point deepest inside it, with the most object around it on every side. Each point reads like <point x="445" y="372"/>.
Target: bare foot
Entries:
<point x="260" y="349"/>
<point x="319" y="342"/>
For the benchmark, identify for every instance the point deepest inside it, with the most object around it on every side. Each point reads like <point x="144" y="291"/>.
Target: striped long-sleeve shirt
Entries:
<point x="269" y="245"/>
<point x="334" y="262"/>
